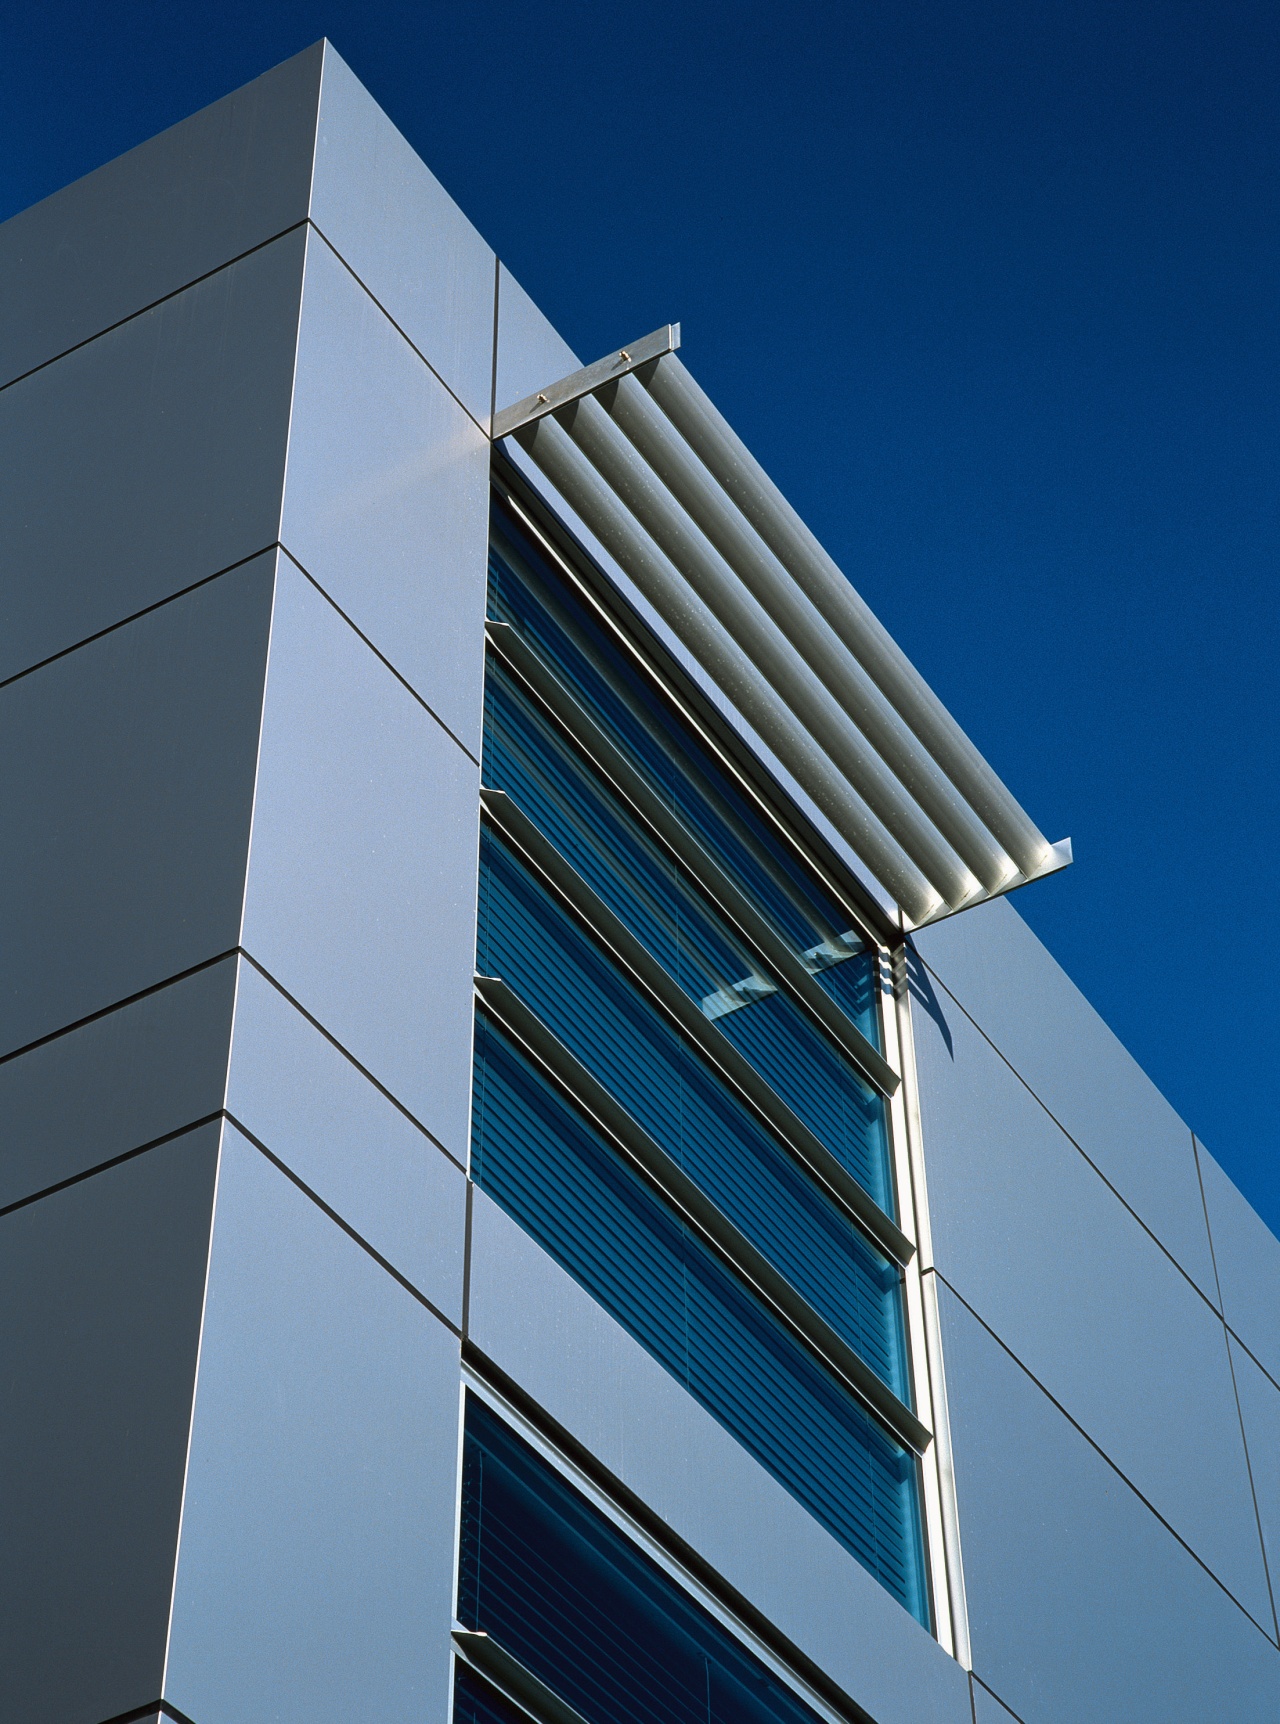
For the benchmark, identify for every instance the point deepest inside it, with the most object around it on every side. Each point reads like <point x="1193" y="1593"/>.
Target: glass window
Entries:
<point x="541" y="952"/>
<point x="526" y="756"/>
<point x="526" y="590"/>
<point x="562" y="1182"/>
<point x="695" y="1307"/>
<point x="563" y="1591"/>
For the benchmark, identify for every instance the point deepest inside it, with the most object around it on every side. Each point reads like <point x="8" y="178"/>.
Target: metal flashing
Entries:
<point x="585" y="381"/>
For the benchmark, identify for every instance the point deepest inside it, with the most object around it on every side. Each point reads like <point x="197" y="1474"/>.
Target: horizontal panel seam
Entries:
<point x="140" y="1714"/>
<point x="348" y="1056"/>
<point x="1096" y="1447"/>
<point x="1245" y="1348"/>
<point x="400" y="331"/>
<point x="159" y="604"/>
<point x="151" y="305"/>
<point x="112" y="1161"/>
<point x="207" y="964"/>
<point x="339" y="1221"/>
<point x="379" y="654"/>
<point x="1083" y="1153"/>
<point x="999" y="1702"/>
<point x="119" y="1005"/>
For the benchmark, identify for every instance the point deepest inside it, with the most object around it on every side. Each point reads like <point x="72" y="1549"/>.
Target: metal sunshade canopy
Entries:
<point x="650" y="466"/>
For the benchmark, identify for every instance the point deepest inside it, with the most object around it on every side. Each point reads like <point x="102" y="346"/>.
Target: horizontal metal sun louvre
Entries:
<point x="649" y="465"/>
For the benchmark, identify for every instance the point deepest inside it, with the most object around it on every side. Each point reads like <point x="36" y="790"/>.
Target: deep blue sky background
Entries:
<point x="992" y="289"/>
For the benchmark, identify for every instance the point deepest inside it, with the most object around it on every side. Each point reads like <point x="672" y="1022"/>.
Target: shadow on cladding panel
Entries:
<point x="1052" y="1037"/>
<point x="178" y="206"/>
<point x="1247" y="1255"/>
<point x="314" y="1580"/>
<point x="116" y="1083"/>
<point x="127" y="778"/>
<point x="362" y="880"/>
<point x="387" y="494"/>
<point x="548" y="1335"/>
<point x="1037" y="1244"/>
<point x="100" y="1296"/>
<point x="316" y="1111"/>
<point x="1081" y="1604"/>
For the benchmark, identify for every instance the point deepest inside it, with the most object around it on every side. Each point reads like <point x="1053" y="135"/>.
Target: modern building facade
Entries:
<point x="541" y="1175"/>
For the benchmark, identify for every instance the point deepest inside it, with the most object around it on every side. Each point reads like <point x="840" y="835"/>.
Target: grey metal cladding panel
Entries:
<point x="1260" y="1415"/>
<point x="1247" y="1255"/>
<point x="380" y="207"/>
<point x="301" y="1097"/>
<point x="181" y="204"/>
<point x="387" y="494"/>
<point x="315" y="1574"/>
<point x="530" y="353"/>
<point x="361" y="899"/>
<point x="100" y="1294"/>
<point x="988" y="1710"/>
<point x="1081" y="1604"/>
<point x="126" y="776"/>
<point x="563" y="1349"/>
<point x="149" y="459"/>
<point x="116" y="1083"/>
<point x="1030" y="1236"/>
<point x="1043" y="1025"/>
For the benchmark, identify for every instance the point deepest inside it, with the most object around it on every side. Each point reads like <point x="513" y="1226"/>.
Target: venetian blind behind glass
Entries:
<point x="526" y="756"/>
<point x="526" y="590"/>
<point x="593" y="1617"/>
<point x="553" y="1173"/>
<point x="642" y="1060"/>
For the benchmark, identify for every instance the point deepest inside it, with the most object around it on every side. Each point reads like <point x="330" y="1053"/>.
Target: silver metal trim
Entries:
<point x="631" y="788"/>
<point x="662" y="1172"/>
<point x="686" y="1016"/>
<point x="584" y="382"/>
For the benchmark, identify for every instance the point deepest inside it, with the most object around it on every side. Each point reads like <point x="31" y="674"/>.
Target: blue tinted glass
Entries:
<point x="557" y="1177"/>
<point x="527" y="757"/>
<point x="648" y="1066"/>
<point x="526" y="591"/>
<point x="562" y="1590"/>
<point x="474" y="1702"/>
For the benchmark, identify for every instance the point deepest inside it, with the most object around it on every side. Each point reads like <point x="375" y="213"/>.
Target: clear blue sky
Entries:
<point x="992" y="289"/>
